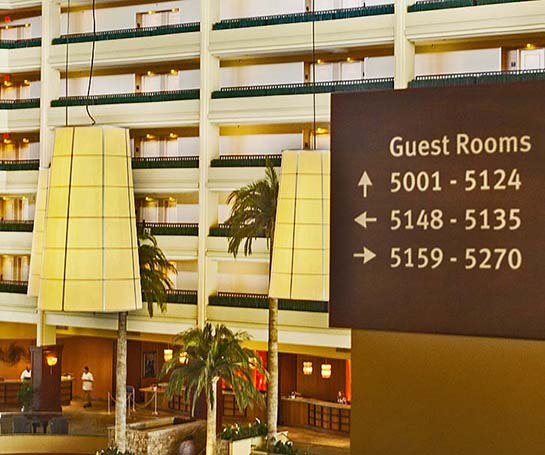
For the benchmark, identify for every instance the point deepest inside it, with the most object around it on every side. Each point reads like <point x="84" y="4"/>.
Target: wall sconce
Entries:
<point x="326" y="370"/>
<point x="307" y="368"/>
<point x="52" y="360"/>
<point x="183" y="358"/>
<point x="167" y="355"/>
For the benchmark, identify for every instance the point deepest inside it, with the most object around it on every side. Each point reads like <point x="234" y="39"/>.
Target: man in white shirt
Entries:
<point x="87" y="380"/>
<point x="26" y="374"/>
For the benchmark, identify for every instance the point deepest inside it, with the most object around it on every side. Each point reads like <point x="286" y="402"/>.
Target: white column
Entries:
<point x="7" y="268"/>
<point x="209" y="147"/>
<point x="9" y="209"/>
<point x="24" y="267"/>
<point x="404" y="53"/>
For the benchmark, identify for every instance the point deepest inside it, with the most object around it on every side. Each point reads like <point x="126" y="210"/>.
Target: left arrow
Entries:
<point x="367" y="255"/>
<point x="363" y="219"/>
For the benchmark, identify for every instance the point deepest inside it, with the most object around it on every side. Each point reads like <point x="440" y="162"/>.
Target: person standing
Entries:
<point x="26" y="375"/>
<point x="87" y="380"/>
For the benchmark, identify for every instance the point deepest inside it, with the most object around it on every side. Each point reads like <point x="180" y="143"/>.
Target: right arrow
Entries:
<point x="363" y="219"/>
<point x="365" y="181"/>
<point x="367" y="255"/>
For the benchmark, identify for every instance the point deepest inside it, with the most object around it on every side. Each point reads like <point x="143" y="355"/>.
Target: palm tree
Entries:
<point x="154" y="270"/>
<point x="253" y="215"/>
<point x="213" y="353"/>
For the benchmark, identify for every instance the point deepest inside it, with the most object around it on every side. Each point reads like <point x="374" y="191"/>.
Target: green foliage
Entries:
<point x="25" y="393"/>
<point x="14" y="354"/>
<point x="154" y="270"/>
<point x="282" y="447"/>
<point x="213" y="353"/>
<point x="113" y="451"/>
<point x="253" y="212"/>
<point x="235" y="432"/>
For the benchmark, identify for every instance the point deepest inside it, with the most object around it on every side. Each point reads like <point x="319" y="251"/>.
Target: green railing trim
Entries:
<point x="487" y="77"/>
<point x="19" y="165"/>
<point x="385" y="83"/>
<point x="16" y="226"/>
<point x="20" y="43"/>
<point x="182" y="296"/>
<point x="190" y="229"/>
<point x="173" y="162"/>
<point x="261" y="301"/>
<point x="430" y="5"/>
<point x="245" y="160"/>
<point x="128" y="33"/>
<point x="344" y="13"/>
<point x="123" y="98"/>
<point x="14" y="287"/>
<point x="222" y="230"/>
<point x="20" y="104"/>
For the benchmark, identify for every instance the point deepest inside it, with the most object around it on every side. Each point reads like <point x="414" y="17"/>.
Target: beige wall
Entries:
<point x="443" y="395"/>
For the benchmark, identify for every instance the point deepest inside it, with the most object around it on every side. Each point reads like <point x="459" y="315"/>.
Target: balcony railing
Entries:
<point x="488" y="77"/>
<point x="260" y="21"/>
<point x="19" y="165"/>
<point x="171" y="228"/>
<point x="428" y="5"/>
<point x="182" y="296"/>
<point x="384" y="83"/>
<point x="128" y="33"/>
<point x="261" y="301"/>
<point x="14" y="287"/>
<point x="19" y="43"/>
<point x="246" y="160"/>
<point x="157" y="162"/>
<point x="223" y="230"/>
<point x="124" y="98"/>
<point x="16" y="225"/>
<point x="20" y="104"/>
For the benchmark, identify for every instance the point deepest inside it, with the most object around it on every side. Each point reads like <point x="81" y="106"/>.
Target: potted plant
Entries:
<point x="242" y="439"/>
<point x="112" y="451"/>
<point x="24" y="396"/>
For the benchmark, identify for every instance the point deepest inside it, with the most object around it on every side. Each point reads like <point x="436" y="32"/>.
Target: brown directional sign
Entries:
<point x="438" y="210"/>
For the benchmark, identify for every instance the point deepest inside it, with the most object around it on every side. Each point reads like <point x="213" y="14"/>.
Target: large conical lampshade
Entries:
<point x="300" y="259"/>
<point x="90" y="256"/>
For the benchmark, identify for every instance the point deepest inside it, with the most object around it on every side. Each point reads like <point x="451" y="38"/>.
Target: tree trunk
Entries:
<point x="121" y="384"/>
<point x="272" y="367"/>
<point x="211" y="421"/>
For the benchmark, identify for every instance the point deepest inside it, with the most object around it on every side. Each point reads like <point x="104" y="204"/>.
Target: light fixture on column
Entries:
<point x="183" y="358"/>
<point x="300" y="259"/>
<point x="90" y="254"/>
<point x="167" y="355"/>
<point x="307" y="368"/>
<point x="52" y="360"/>
<point x="326" y="370"/>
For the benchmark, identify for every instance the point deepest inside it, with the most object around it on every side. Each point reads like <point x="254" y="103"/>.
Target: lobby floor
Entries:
<point x="95" y="421"/>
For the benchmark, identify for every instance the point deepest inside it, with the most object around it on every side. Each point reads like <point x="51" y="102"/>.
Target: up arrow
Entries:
<point x="367" y="255"/>
<point x="363" y="219"/>
<point x="365" y="181"/>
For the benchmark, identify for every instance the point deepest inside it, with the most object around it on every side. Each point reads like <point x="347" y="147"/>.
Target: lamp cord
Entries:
<point x="66" y="62"/>
<point x="93" y="121"/>
<point x="313" y="77"/>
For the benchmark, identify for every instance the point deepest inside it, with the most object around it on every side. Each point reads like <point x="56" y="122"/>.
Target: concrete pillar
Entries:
<point x="45" y="334"/>
<point x="404" y="52"/>
<point x="209" y="146"/>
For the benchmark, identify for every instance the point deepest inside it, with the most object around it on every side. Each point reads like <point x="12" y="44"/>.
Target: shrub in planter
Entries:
<point x="236" y="432"/>
<point x="113" y="451"/>
<point x="24" y="395"/>
<point x="282" y="447"/>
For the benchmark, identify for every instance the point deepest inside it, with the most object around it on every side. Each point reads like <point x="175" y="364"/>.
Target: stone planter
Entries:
<point x="244" y="446"/>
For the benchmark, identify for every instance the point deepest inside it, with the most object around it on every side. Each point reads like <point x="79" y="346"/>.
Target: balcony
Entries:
<point x="126" y="98"/>
<point x="261" y="301"/>
<point x="191" y="229"/>
<point x="16" y="225"/>
<point x="222" y="230"/>
<point x="128" y="33"/>
<point x="305" y="88"/>
<point x="182" y="296"/>
<point x="246" y="160"/>
<point x="317" y="16"/>
<point x="13" y="287"/>
<point x="20" y="104"/>
<point x="19" y="165"/>
<point x="160" y="162"/>
<point x="20" y="43"/>
<point x="428" y="5"/>
<point x="489" y="77"/>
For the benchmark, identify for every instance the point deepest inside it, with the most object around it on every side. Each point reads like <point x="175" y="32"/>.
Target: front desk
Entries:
<point x="308" y="412"/>
<point x="10" y="387"/>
